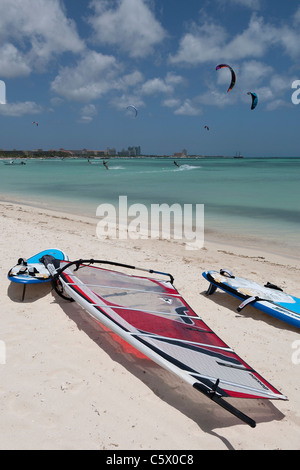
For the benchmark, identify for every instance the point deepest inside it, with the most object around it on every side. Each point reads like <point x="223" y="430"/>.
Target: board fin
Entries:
<point x="211" y="289"/>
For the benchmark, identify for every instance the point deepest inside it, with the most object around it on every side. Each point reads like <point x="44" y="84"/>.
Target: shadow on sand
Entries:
<point x="27" y="293"/>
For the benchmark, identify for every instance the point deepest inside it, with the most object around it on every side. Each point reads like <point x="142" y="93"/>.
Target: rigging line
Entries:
<point x="159" y="337"/>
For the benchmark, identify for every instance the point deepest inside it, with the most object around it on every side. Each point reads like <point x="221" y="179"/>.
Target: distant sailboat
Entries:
<point x="238" y="155"/>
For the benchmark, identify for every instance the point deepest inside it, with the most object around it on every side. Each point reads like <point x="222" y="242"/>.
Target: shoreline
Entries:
<point x="243" y="241"/>
<point x="64" y="372"/>
<point x="123" y="157"/>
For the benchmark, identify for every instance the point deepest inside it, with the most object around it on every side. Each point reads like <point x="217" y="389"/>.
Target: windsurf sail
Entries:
<point x="152" y="316"/>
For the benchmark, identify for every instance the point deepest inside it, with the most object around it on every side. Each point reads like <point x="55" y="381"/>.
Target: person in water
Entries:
<point x="105" y="164"/>
<point x="175" y="163"/>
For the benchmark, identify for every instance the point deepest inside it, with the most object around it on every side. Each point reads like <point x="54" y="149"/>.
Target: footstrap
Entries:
<point x="227" y="273"/>
<point x="248" y="301"/>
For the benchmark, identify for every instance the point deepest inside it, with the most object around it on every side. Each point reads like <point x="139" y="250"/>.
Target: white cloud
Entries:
<point x="297" y="16"/>
<point x="265" y="93"/>
<point x="132" y="79"/>
<point x="159" y="85"/>
<point x="93" y="76"/>
<point x="38" y="30"/>
<point x="273" y="95"/>
<point x="201" y="44"/>
<point x="253" y="41"/>
<point x="20" y="109"/>
<point x="88" y="112"/>
<point x="128" y="24"/>
<point x="156" y="85"/>
<point x="252" y="4"/>
<point x="171" y="103"/>
<point x="127" y="99"/>
<point x="289" y="39"/>
<point x="12" y="62"/>
<point x="277" y="103"/>
<point x="174" y="79"/>
<point x="280" y="83"/>
<point x="253" y="72"/>
<point x="188" y="108"/>
<point x="217" y="98"/>
<point x="211" y="42"/>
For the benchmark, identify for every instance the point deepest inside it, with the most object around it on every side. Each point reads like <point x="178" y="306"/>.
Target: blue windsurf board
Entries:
<point x="269" y="298"/>
<point x="31" y="270"/>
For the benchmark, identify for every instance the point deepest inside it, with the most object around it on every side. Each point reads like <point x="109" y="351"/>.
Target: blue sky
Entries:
<point x="74" y="66"/>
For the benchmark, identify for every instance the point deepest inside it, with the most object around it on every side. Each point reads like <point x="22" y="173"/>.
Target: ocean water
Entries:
<point x="248" y="201"/>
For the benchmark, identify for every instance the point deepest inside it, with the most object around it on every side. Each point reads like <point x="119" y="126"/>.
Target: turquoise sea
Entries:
<point x="246" y="201"/>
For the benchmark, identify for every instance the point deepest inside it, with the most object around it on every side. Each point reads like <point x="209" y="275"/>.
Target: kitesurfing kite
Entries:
<point x="34" y="122"/>
<point x="254" y="99"/>
<point x="132" y="109"/>
<point x="206" y="127"/>
<point x="233" y="76"/>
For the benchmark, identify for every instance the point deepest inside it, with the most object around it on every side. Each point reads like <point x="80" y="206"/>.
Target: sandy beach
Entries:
<point x="68" y="384"/>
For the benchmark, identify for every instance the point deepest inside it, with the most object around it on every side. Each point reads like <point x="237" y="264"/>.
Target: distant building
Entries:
<point x="97" y="153"/>
<point x="179" y="155"/>
<point x="111" y="151"/>
<point x="88" y="153"/>
<point x="134" y="151"/>
<point x="130" y="152"/>
<point x="123" y="153"/>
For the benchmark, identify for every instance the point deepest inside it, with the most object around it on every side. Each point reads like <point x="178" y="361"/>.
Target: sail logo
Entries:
<point x="2" y="353"/>
<point x="159" y="221"/>
<point x="296" y="353"/>
<point x="2" y="92"/>
<point x="296" y="94"/>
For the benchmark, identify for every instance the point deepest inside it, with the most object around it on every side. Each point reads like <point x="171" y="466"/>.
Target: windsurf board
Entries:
<point x="31" y="270"/>
<point x="268" y="298"/>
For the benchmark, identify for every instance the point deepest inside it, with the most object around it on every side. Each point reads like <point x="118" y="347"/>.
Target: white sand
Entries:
<point x="68" y="384"/>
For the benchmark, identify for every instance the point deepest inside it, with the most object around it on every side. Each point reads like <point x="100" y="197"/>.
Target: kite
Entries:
<point x="254" y="99"/>
<point x="34" y="122"/>
<point x="133" y="108"/>
<point x="233" y="76"/>
<point x="206" y="127"/>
